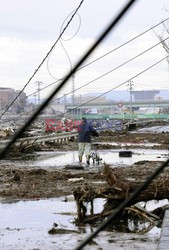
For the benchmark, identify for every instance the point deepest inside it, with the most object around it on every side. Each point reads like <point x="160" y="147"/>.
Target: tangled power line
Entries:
<point x="61" y="39"/>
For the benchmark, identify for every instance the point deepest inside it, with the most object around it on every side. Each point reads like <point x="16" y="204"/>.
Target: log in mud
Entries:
<point x="121" y="183"/>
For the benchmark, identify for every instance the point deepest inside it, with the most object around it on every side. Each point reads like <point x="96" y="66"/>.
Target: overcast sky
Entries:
<point x="29" y="28"/>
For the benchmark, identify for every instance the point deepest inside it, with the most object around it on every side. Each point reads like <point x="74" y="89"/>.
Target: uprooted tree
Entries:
<point x="121" y="182"/>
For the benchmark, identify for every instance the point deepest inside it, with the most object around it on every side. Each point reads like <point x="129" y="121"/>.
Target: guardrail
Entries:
<point x="41" y="139"/>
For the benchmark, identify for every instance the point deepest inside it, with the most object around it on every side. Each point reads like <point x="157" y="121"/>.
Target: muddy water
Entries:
<point x="55" y="159"/>
<point x="155" y="129"/>
<point x="111" y="156"/>
<point x="25" y="225"/>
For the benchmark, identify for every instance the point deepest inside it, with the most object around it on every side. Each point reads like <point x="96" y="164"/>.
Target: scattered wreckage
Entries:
<point x="121" y="182"/>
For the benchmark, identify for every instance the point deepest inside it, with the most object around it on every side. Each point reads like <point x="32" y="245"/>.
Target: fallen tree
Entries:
<point x="121" y="183"/>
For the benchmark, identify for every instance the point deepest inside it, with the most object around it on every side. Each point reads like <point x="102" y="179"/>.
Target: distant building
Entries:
<point x="7" y="96"/>
<point x="145" y="95"/>
<point x="91" y="99"/>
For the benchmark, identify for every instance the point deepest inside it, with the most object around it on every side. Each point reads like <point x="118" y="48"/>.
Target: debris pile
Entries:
<point x="121" y="183"/>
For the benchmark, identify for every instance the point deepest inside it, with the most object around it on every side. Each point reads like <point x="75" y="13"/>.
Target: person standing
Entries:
<point x="85" y="131"/>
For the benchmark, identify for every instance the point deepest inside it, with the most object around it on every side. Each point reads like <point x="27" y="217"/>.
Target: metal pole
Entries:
<point x="73" y="93"/>
<point x="73" y="88"/>
<point x="131" y="108"/>
<point x="38" y="90"/>
<point x="35" y="98"/>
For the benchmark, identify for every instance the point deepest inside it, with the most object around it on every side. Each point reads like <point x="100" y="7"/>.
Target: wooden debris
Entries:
<point x="117" y="190"/>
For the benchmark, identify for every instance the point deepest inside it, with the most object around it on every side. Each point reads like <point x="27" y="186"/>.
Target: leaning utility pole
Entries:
<point x="38" y="90"/>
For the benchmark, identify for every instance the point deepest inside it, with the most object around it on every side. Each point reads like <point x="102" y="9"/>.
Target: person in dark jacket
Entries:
<point x="85" y="131"/>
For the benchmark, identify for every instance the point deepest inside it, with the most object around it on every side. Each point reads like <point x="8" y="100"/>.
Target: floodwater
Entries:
<point x="57" y="159"/>
<point x="25" y="225"/>
<point x="109" y="156"/>
<point x="155" y="129"/>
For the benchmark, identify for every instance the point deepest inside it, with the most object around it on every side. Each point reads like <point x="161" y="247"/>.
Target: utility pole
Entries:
<point x="73" y="88"/>
<point x="64" y="98"/>
<point x="35" y="98"/>
<point x="38" y="90"/>
<point x="131" y="108"/>
<point x="73" y="95"/>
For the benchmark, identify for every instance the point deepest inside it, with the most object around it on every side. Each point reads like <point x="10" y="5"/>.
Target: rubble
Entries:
<point x="6" y="132"/>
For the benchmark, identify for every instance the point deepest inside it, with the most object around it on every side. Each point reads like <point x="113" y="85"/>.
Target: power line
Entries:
<point x="110" y="71"/>
<point x="123" y="44"/>
<point x="101" y="76"/>
<point x="117" y="86"/>
<point x="89" y="62"/>
<point x="120" y="46"/>
<point x="122" y="82"/>
<point x="113" y="51"/>
<point x="44" y="58"/>
<point x="63" y="46"/>
<point x="67" y="54"/>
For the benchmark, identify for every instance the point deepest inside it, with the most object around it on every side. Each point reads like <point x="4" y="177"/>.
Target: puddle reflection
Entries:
<point x="111" y="156"/>
<point x="54" y="159"/>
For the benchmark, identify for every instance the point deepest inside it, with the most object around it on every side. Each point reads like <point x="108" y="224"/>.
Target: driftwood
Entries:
<point x="118" y="189"/>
